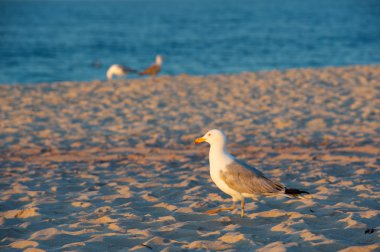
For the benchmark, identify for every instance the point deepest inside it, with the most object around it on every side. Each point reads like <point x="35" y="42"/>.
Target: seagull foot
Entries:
<point x="213" y="211"/>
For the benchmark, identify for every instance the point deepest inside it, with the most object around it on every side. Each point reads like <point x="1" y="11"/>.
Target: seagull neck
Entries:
<point x="218" y="153"/>
<point x="218" y="147"/>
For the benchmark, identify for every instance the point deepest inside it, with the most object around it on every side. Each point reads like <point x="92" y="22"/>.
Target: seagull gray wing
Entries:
<point x="246" y="179"/>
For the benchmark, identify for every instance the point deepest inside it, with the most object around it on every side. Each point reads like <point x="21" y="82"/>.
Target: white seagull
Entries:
<point x="118" y="70"/>
<point x="236" y="178"/>
<point x="154" y="69"/>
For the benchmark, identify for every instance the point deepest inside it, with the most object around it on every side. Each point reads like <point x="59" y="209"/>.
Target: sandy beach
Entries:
<point x="112" y="166"/>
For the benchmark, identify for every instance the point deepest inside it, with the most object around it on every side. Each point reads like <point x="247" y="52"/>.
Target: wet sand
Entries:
<point x="111" y="165"/>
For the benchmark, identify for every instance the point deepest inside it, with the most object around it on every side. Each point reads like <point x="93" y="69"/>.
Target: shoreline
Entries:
<point x="195" y="75"/>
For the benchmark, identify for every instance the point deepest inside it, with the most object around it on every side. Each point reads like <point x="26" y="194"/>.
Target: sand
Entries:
<point x="111" y="166"/>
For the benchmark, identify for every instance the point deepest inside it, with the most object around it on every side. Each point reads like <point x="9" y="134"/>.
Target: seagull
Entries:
<point x="236" y="178"/>
<point x="154" y="69"/>
<point x="118" y="70"/>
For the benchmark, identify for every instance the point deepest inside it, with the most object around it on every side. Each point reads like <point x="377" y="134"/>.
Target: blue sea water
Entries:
<point x="58" y="40"/>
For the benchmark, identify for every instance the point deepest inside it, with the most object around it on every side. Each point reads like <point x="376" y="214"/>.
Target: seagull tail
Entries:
<point x="295" y="192"/>
<point x="129" y="70"/>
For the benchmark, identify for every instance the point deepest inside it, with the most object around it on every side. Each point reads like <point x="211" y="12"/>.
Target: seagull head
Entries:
<point x="213" y="137"/>
<point x="159" y="60"/>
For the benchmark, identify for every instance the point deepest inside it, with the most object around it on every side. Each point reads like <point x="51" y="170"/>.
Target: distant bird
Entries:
<point x="154" y="69"/>
<point x="236" y="178"/>
<point x="118" y="70"/>
<point x="96" y="64"/>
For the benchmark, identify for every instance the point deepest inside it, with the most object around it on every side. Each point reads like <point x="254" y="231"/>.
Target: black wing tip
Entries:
<point x="294" y="191"/>
<point x="127" y="69"/>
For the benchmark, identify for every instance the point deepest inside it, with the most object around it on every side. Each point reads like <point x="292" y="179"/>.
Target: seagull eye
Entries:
<point x="209" y="134"/>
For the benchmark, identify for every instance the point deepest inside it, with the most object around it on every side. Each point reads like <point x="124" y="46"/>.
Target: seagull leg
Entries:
<point x="217" y="210"/>
<point x="242" y="207"/>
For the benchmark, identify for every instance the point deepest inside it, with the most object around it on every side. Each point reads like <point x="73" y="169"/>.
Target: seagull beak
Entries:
<point x="199" y="140"/>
